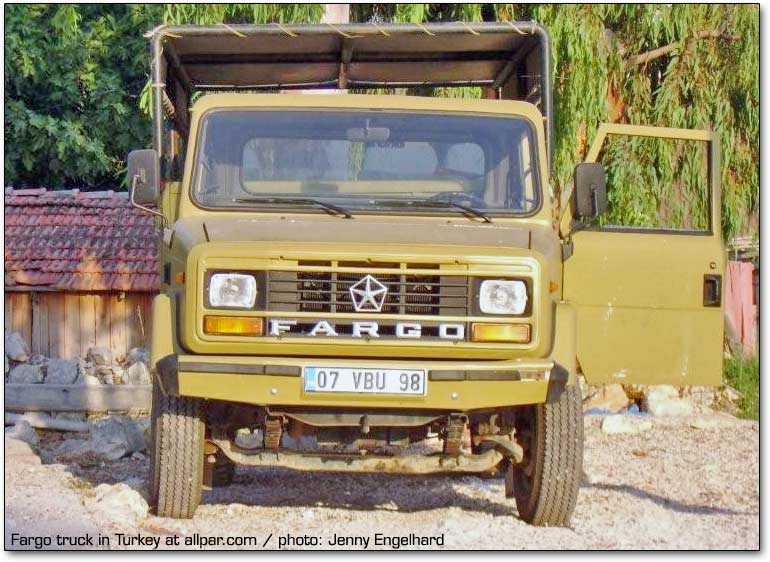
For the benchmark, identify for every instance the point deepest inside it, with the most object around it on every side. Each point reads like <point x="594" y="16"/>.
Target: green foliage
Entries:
<point x="656" y="183"/>
<point x="207" y="14"/>
<point x="710" y="83"/>
<point x="580" y="76"/>
<point x="76" y="75"/>
<point x="415" y="13"/>
<point x="742" y="373"/>
<point x="72" y="75"/>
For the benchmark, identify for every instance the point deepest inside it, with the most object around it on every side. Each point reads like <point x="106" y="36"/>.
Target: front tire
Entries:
<point x="546" y="483"/>
<point x="176" y="455"/>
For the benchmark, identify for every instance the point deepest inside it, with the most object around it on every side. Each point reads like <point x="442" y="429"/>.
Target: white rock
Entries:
<point x="702" y="397"/>
<point x="248" y="440"/>
<point x="119" y="375"/>
<point x="609" y="397"/>
<point x="729" y="393"/>
<point x="109" y="439"/>
<point x="7" y="364"/>
<point x="107" y="374"/>
<point x="23" y="431"/>
<point x="616" y="424"/>
<point x="38" y="359"/>
<point x="144" y="425"/>
<point x="673" y="407"/>
<point x="661" y="391"/>
<point x="136" y="428"/>
<point x="100" y="356"/>
<point x="20" y="453"/>
<point x="61" y="371"/>
<point x="15" y="347"/>
<point x="114" y="375"/>
<point x="26" y="373"/>
<point x="120" y="503"/>
<point x="664" y="401"/>
<point x="138" y="484"/>
<point x="138" y="373"/>
<point x="116" y="437"/>
<point x="85" y="366"/>
<point x="138" y="355"/>
<point x="76" y="450"/>
<point x="727" y="399"/>
<point x="87" y="379"/>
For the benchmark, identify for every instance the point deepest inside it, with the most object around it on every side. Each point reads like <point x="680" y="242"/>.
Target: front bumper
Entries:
<point x="452" y="385"/>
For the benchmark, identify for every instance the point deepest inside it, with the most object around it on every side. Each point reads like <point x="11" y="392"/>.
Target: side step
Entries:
<point x="401" y="464"/>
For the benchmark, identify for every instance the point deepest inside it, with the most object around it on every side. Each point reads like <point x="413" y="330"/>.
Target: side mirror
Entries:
<point x="590" y="194"/>
<point x="144" y="177"/>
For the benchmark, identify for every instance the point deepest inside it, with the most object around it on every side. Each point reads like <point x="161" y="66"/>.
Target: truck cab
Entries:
<point x="351" y="279"/>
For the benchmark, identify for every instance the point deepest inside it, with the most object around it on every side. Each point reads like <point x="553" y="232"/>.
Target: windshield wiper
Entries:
<point x="435" y="204"/>
<point x="296" y="201"/>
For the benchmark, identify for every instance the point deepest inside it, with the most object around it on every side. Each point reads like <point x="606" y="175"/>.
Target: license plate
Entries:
<point x="369" y="381"/>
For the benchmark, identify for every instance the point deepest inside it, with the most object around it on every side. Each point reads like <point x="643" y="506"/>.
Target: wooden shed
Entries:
<point x="81" y="269"/>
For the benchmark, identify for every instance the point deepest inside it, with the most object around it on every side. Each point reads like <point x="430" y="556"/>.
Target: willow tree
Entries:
<point x="690" y="66"/>
<point x="206" y="14"/>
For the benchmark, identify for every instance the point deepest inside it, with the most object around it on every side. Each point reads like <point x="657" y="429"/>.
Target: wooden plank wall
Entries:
<point x="67" y="324"/>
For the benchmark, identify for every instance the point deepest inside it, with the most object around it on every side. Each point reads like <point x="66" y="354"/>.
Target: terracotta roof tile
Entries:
<point x="68" y="240"/>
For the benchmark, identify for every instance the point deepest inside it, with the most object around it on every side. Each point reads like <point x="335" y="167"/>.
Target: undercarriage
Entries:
<point x="354" y="440"/>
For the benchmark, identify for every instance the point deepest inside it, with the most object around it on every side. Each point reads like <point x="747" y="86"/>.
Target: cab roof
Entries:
<point x="360" y="101"/>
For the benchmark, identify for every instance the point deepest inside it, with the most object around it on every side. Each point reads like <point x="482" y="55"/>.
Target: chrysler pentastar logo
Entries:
<point x="368" y="295"/>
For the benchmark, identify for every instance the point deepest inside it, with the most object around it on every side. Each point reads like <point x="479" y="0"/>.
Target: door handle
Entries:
<point x="712" y="290"/>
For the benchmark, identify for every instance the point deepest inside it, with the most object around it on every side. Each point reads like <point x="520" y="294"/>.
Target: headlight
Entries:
<point x="503" y="297"/>
<point x="232" y="290"/>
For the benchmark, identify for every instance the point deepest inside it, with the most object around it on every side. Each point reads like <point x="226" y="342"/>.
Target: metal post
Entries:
<point x="157" y="94"/>
<point x="547" y="87"/>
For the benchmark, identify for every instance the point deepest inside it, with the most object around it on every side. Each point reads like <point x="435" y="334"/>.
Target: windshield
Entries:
<point x="366" y="160"/>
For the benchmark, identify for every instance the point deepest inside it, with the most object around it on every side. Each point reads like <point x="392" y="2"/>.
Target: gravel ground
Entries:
<point x="672" y="487"/>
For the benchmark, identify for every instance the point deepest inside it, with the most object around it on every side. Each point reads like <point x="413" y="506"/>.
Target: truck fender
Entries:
<point x="564" y="351"/>
<point x="163" y="344"/>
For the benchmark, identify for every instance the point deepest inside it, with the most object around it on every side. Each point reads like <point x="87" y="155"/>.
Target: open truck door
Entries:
<point x="648" y="299"/>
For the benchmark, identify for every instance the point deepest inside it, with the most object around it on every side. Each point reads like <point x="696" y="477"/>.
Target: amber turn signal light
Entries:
<point x="232" y="326"/>
<point x="502" y="333"/>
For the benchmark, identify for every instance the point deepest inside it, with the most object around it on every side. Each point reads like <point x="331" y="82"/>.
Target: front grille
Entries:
<point x="329" y="291"/>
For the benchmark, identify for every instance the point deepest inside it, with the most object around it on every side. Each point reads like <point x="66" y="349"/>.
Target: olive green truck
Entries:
<point x="379" y="283"/>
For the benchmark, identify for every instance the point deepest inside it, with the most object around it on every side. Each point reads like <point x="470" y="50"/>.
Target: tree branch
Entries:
<point x="648" y="56"/>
